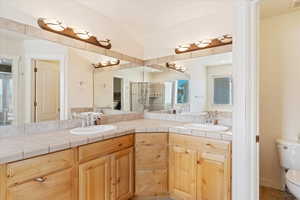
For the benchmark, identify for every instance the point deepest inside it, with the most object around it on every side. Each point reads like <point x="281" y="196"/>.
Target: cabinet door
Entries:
<point x="213" y="178"/>
<point x="182" y="183"/>
<point x="56" y="186"/>
<point x="95" y="179"/>
<point x="122" y="173"/>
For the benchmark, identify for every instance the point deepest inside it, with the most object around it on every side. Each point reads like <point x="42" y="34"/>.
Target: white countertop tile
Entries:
<point x="21" y="147"/>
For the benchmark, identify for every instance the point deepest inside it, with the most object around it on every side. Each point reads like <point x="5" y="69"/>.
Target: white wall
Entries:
<point x="279" y="95"/>
<point x="198" y="86"/>
<point x="80" y="80"/>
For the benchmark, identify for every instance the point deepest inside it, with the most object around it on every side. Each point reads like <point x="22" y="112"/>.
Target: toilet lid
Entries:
<point x="293" y="176"/>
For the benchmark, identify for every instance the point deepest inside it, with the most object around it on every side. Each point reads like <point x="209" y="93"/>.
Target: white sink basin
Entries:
<point x="207" y="127"/>
<point x="92" y="129"/>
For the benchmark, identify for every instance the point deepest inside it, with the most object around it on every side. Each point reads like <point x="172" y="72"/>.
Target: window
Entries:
<point x="182" y="91"/>
<point x="222" y="91"/>
<point x="219" y="92"/>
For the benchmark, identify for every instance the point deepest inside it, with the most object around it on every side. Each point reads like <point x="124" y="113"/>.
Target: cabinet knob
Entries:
<point x="40" y="179"/>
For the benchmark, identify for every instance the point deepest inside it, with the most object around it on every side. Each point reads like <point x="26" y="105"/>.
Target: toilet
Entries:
<point x="289" y="153"/>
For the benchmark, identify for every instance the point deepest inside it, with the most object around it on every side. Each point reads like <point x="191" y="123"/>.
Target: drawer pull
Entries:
<point x="210" y="145"/>
<point x="120" y="145"/>
<point x="41" y="179"/>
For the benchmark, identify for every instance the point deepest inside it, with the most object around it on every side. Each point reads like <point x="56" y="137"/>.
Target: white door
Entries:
<point x="46" y="87"/>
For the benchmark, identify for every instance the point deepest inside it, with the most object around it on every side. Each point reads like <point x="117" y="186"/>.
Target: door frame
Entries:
<point x="245" y="128"/>
<point x="123" y="91"/>
<point x="63" y="85"/>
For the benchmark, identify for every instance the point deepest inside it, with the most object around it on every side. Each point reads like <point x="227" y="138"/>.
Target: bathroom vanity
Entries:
<point x="177" y="164"/>
<point x="149" y="154"/>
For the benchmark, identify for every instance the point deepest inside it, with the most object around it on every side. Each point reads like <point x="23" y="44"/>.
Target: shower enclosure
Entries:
<point x="147" y="96"/>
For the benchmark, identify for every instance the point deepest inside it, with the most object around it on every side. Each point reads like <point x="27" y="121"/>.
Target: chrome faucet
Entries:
<point x="87" y="119"/>
<point x="212" y="117"/>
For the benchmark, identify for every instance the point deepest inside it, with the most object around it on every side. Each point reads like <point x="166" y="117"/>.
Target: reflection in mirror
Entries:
<point x="205" y="86"/>
<point x="112" y="89"/>
<point x="6" y="91"/>
<point x="42" y="81"/>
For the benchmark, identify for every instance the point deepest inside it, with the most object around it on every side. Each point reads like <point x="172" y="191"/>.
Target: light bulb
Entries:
<point x="203" y="43"/>
<point x="225" y="38"/>
<point x="54" y="24"/>
<point x="82" y="34"/>
<point x="104" y="63"/>
<point x="104" y="42"/>
<point x="115" y="61"/>
<point x="183" y="47"/>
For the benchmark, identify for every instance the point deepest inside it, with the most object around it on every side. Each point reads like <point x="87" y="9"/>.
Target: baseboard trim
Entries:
<point x="270" y="183"/>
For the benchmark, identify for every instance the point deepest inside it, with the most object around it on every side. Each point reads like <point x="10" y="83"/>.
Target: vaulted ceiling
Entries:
<point x="143" y="18"/>
<point x="141" y="28"/>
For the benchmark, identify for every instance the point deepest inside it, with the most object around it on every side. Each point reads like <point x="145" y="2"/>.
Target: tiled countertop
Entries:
<point x="22" y="147"/>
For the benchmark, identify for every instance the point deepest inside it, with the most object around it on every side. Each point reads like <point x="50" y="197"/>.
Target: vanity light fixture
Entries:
<point x="205" y="44"/>
<point x="105" y="42"/>
<point x="183" y="47"/>
<point x="82" y="34"/>
<point x="176" y="67"/>
<point x="54" y="24"/>
<point x="57" y="26"/>
<point x="109" y="63"/>
<point x="226" y="39"/>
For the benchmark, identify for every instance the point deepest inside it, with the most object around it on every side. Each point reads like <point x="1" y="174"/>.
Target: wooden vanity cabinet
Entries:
<point x="99" y="171"/>
<point x="161" y="164"/>
<point x="107" y="173"/>
<point x="44" y="177"/>
<point x="151" y="164"/>
<point x="200" y="168"/>
<point x="123" y="174"/>
<point x="56" y="186"/>
<point x="213" y="177"/>
<point x="95" y="179"/>
<point x="182" y="173"/>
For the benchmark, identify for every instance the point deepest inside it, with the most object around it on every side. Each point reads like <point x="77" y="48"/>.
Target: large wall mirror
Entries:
<point x="45" y="81"/>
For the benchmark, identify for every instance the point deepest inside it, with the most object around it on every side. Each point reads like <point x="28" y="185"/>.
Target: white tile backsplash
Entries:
<point x="10" y="131"/>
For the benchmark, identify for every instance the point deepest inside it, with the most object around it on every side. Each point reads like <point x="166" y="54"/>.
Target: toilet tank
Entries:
<point x="289" y="154"/>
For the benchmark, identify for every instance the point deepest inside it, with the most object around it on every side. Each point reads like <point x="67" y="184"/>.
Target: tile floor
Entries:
<point x="272" y="194"/>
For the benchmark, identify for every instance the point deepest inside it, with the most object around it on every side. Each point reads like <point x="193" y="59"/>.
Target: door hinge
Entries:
<point x="35" y="104"/>
<point x="257" y="139"/>
<point x="35" y="69"/>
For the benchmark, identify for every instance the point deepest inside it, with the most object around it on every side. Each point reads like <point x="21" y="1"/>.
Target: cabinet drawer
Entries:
<point x="199" y="143"/>
<point x="92" y="151"/>
<point x="56" y="186"/>
<point x="151" y="139"/>
<point x="25" y="170"/>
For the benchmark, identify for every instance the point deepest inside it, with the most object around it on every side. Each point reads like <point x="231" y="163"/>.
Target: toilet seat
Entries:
<point x="293" y="176"/>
